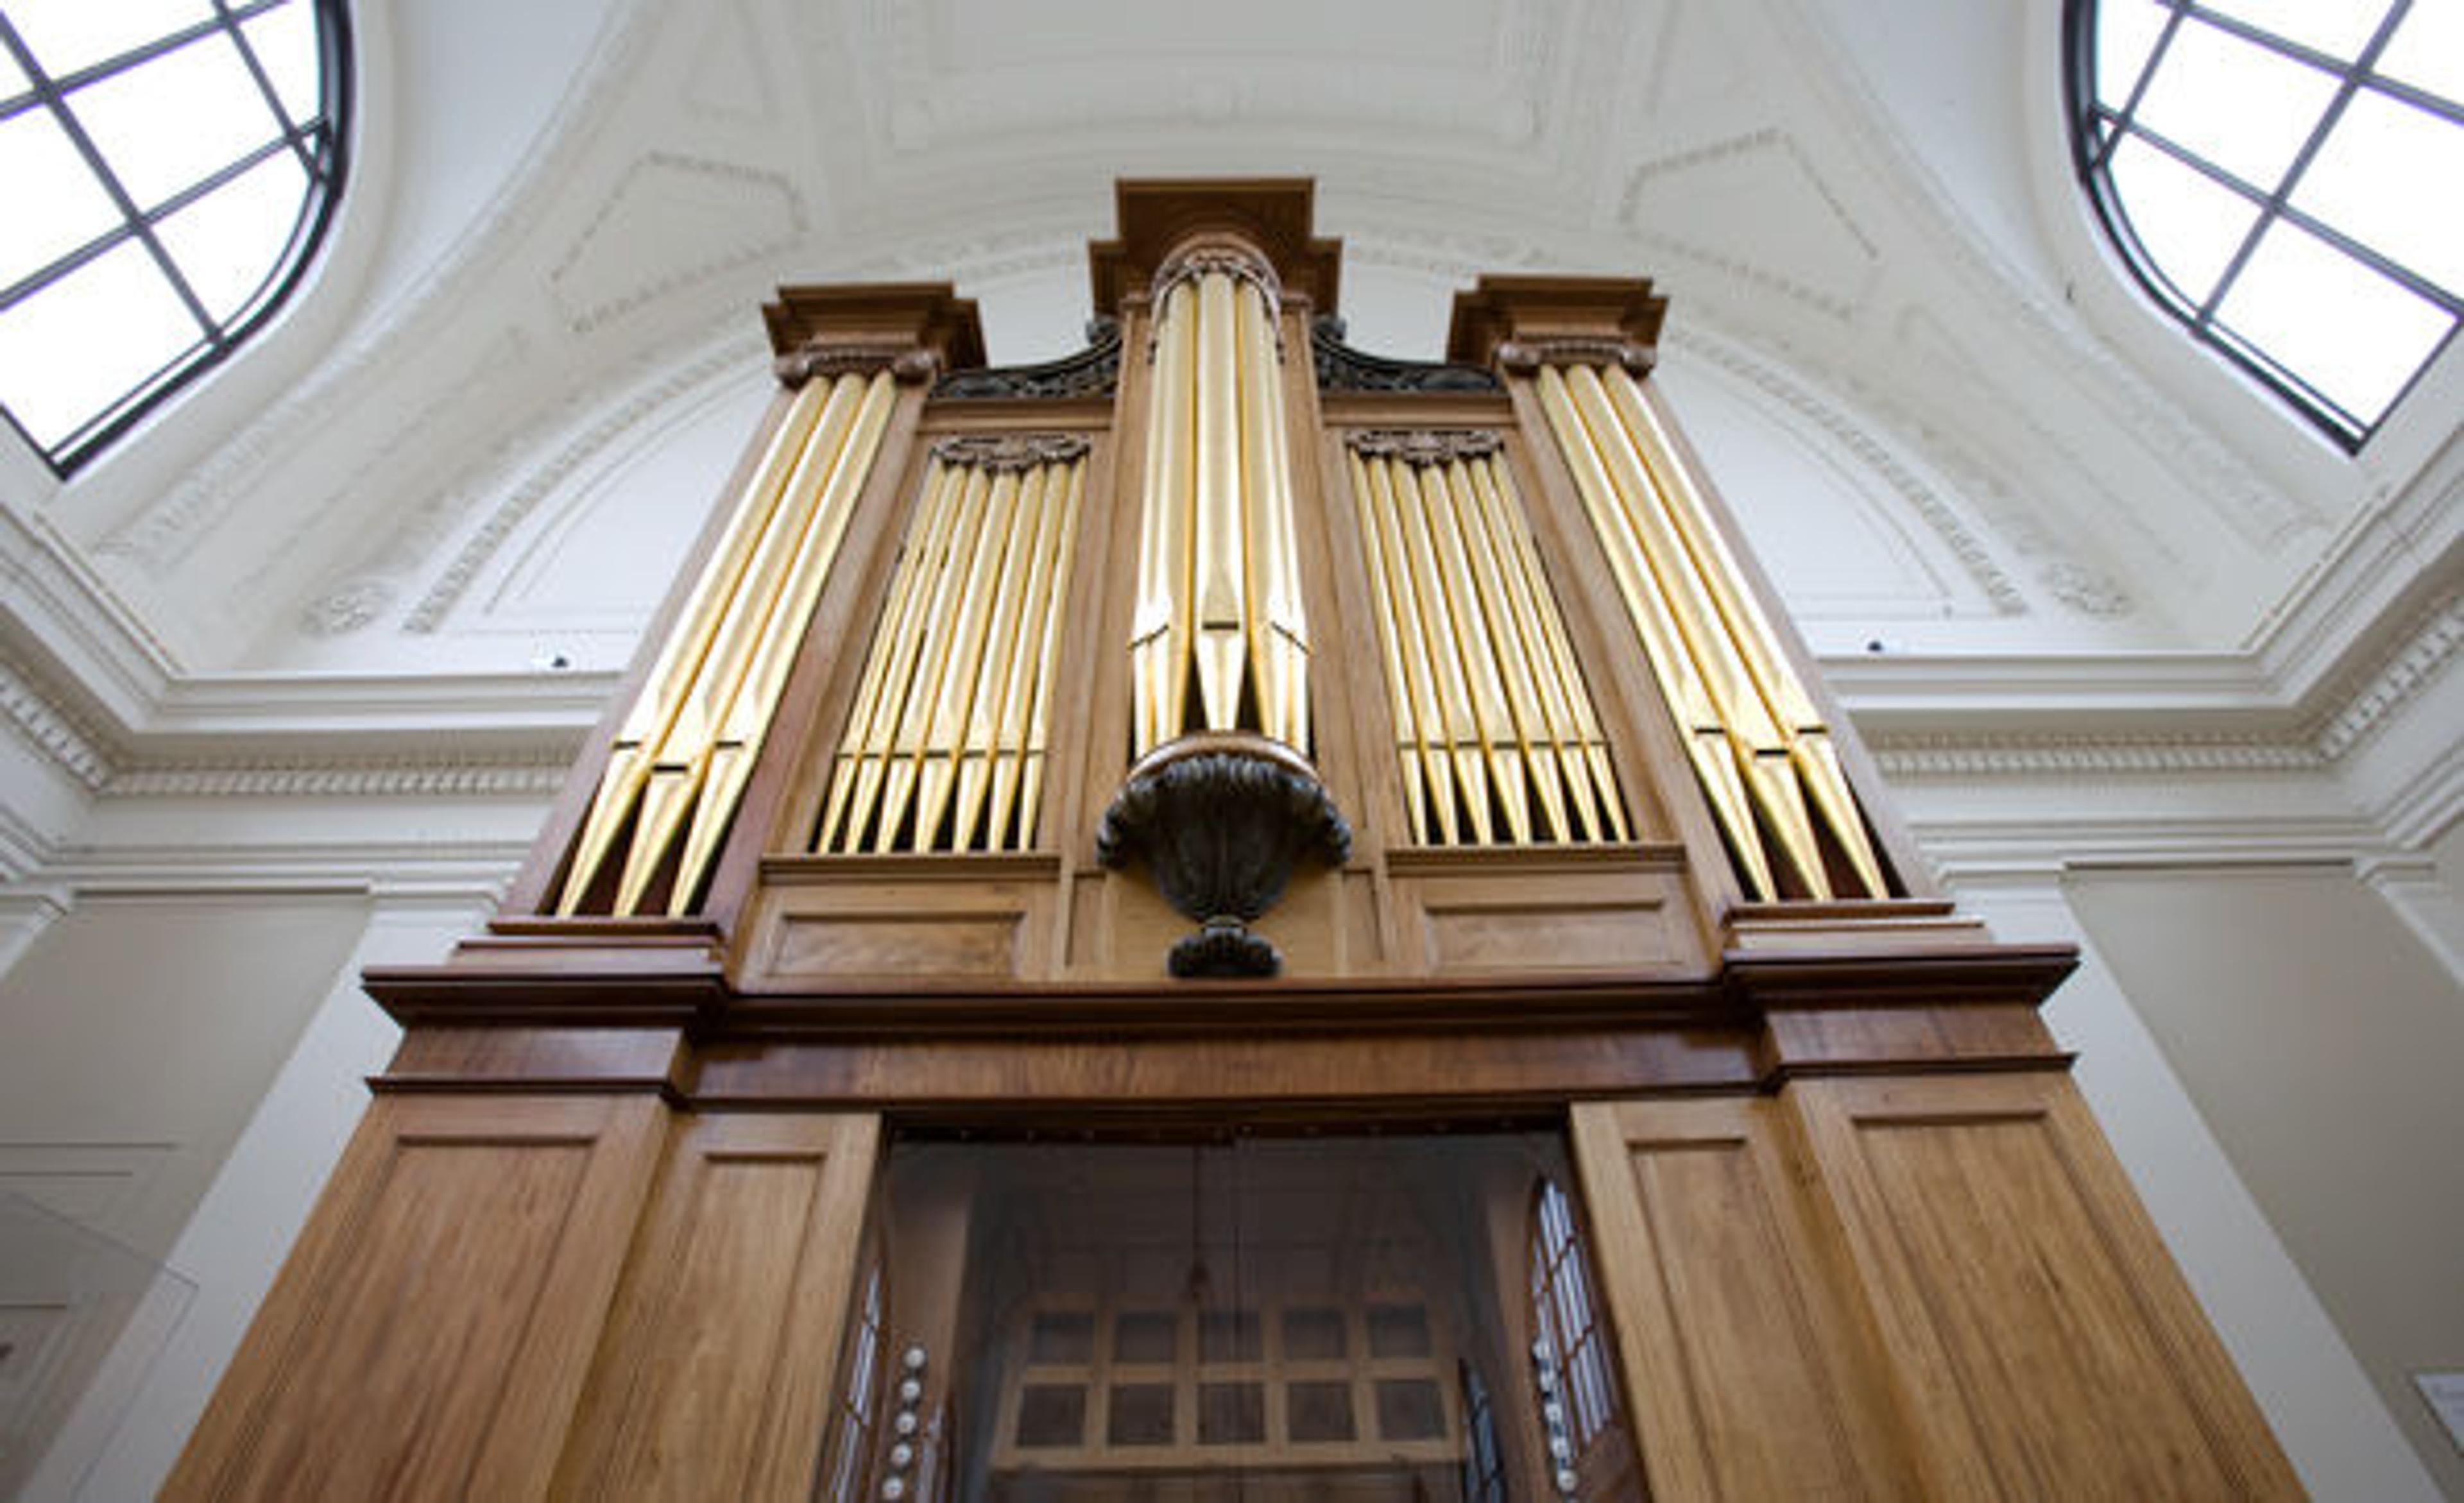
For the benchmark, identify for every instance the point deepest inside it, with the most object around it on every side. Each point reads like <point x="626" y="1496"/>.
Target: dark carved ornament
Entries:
<point x="1092" y="372"/>
<point x="1427" y="446"/>
<point x="1000" y="452"/>
<point x="905" y="362"/>
<point x="1223" y="818"/>
<point x="1342" y="368"/>
<point x="1525" y="355"/>
<point x="1237" y="262"/>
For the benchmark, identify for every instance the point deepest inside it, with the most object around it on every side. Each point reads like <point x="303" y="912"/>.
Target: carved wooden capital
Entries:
<point x="1425" y="445"/>
<point x="997" y="452"/>
<point x="1522" y="356"/>
<point x="907" y="363"/>
<point x="1223" y="258"/>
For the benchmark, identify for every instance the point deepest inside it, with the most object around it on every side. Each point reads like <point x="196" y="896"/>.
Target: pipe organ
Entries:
<point x="1226" y="917"/>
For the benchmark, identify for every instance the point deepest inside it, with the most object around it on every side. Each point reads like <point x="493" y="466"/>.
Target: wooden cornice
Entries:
<point x="1159" y="215"/>
<point x="1620" y="314"/>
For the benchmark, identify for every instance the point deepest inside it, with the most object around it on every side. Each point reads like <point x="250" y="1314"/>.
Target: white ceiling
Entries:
<point x="563" y="212"/>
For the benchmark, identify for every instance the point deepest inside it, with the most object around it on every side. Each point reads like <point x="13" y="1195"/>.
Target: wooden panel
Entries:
<point x="919" y="943"/>
<point x="1538" y="910"/>
<point x="2049" y="1347"/>
<point x="714" y="1379"/>
<point x="1750" y="1372"/>
<point x="1498" y="935"/>
<point x="428" y="1336"/>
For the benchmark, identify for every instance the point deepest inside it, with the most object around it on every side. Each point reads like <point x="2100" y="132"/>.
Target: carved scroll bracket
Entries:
<point x="1000" y="452"/>
<point x="1427" y="446"/>
<point x="1223" y="819"/>
<point x="907" y="365"/>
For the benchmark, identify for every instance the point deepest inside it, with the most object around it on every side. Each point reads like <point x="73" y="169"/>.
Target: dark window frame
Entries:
<point x="319" y="142"/>
<point x="2098" y="127"/>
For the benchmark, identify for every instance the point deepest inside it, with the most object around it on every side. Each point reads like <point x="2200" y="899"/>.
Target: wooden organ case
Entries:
<point x="1226" y="918"/>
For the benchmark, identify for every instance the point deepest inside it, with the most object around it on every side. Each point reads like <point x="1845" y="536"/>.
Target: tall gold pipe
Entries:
<point x="869" y="719"/>
<point x="997" y="660"/>
<point x="1279" y="642"/>
<point x="1466" y="745"/>
<point x="1817" y="759"/>
<point x="1031" y="772"/>
<point x="663" y="689"/>
<point x="753" y="704"/>
<point x="1160" y="629"/>
<point x="1036" y="612"/>
<point x="1408" y="743"/>
<point x="956" y="673"/>
<point x="931" y="657"/>
<point x="1535" y="736"/>
<point x="681" y="759"/>
<point x="1698" y="724"/>
<point x="1419" y="671"/>
<point x="894" y="647"/>
<point x="1533" y="612"/>
<point x="1763" y="751"/>
<point x="1476" y="638"/>
<point x="1220" y="585"/>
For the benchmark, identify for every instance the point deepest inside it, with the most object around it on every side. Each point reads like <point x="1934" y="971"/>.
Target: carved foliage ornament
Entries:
<point x="1223" y="818"/>
<point x="1525" y="355"/>
<point x="905" y="362"/>
<point x="1092" y="372"/>
<point x="1425" y="445"/>
<point x="1342" y="368"/>
<point x="1000" y="452"/>
<point x="1233" y="261"/>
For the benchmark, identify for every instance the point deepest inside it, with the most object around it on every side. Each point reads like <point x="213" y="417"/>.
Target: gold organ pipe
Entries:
<point x="1535" y="742"/>
<point x="1475" y="642"/>
<point x="1816" y="759"/>
<point x="1409" y="746"/>
<point x="1160" y="631"/>
<point x="865" y="738"/>
<point x="1419" y="671"/>
<point x="752" y="704"/>
<point x="681" y="656"/>
<point x="951" y="570"/>
<point x="997" y="662"/>
<point x="1763" y="754"/>
<point x="1582" y="749"/>
<point x="948" y="718"/>
<point x="955" y="672"/>
<point x="1221" y="562"/>
<point x="1279" y="635"/>
<point x="1705" y="735"/>
<point x="1458" y="711"/>
<point x="1032" y="761"/>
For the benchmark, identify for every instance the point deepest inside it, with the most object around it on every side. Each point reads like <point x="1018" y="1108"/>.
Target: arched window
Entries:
<point x="856" y="1422"/>
<point x="2281" y="175"/>
<point x="1581" y="1421"/>
<point x="170" y="165"/>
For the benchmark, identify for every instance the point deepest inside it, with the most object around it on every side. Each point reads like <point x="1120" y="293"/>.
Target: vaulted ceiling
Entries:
<point x="1885" y="289"/>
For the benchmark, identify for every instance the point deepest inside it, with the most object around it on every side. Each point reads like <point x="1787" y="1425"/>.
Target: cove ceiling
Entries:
<point x="535" y="326"/>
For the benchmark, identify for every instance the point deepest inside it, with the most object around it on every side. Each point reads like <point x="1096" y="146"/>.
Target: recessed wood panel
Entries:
<point x="1751" y="1374"/>
<point x="1512" y="936"/>
<point x="713" y="1379"/>
<point x="2026" y="1299"/>
<point x="428" y="1338"/>
<point x="943" y="944"/>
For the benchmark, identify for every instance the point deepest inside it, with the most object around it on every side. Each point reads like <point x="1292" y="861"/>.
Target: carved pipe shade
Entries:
<point x="679" y="763"/>
<point x="1756" y="741"/>
<point x="1219" y="640"/>
<point x="1495" y="734"/>
<point x="945" y="748"/>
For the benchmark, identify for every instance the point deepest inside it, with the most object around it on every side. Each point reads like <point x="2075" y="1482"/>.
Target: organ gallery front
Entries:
<point x="1226" y="918"/>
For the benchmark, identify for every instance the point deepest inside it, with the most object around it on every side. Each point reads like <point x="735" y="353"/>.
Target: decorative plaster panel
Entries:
<point x="671" y="221"/>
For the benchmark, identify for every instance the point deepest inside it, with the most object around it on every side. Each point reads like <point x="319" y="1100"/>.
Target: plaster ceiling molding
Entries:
<point x="728" y="80"/>
<point x="157" y="537"/>
<point x="1940" y="754"/>
<point x="529" y="774"/>
<point x="37" y="716"/>
<point x="1938" y="514"/>
<point x="627" y="417"/>
<point x="346" y="608"/>
<point x="671" y="221"/>
<point x="1755" y="207"/>
<point x="2371" y="697"/>
<point x="2263" y="514"/>
<point x="410" y="446"/>
<point x="1694" y="67"/>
